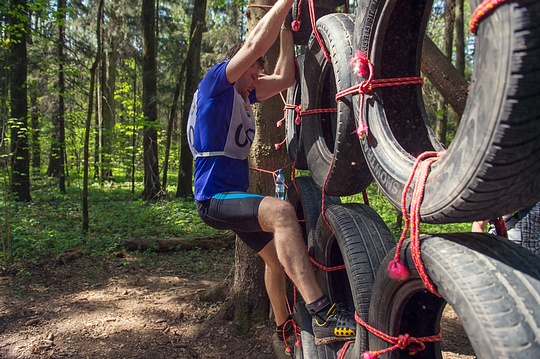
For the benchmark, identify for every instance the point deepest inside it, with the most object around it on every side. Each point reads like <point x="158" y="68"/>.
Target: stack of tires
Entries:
<point x="490" y="169"/>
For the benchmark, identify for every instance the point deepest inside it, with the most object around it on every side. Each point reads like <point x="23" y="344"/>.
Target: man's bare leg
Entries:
<point x="275" y="282"/>
<point x="279" y="217"/>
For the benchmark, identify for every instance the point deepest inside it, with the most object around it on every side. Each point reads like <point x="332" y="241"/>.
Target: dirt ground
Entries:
<point x="134" y="306"/>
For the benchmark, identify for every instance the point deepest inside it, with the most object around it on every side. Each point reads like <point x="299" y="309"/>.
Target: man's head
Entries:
<point x="246" y="83"/>
<point x="233" y="50"/>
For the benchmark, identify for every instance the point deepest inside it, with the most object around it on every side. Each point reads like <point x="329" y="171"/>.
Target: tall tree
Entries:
<point x="108" y="72"/>
<point x="460" y="38"/>
<point x="460" y="46"/>
<point x="193" y="70"/>
<point x="174" y="111"/>
<point x="35" y="125"/>
<point x="57" y="158"/>
<point x="4" y="74"/>
<point x="449" y="20"/>
<point x="18" y="61"/>
<point x="152" y="185"/>
<point x="86" y="145"/>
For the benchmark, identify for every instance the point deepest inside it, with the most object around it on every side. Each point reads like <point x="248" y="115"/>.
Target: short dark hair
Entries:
<point x="233" y="50"/>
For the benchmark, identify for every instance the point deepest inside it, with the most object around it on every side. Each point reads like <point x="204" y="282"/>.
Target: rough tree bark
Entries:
<point x="449" y="20"/>
<point x="152" y="187"/>
<point x="58" y="146"/>
<point x="108" y="80"/>
<point x="193" y="70"/>
<point x="87" y="129"/>
<point x="18" y="60"/>
<point x="460" y="45"/>
<point x="460" y="38"/>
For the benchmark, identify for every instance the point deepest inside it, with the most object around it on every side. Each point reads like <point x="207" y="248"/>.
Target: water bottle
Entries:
<point x="280" y="185"/>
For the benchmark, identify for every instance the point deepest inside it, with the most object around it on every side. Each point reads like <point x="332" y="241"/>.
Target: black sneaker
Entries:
<point x="339" y="326"/>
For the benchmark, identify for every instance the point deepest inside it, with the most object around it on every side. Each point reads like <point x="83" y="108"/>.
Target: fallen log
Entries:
<point x="217" y="241"/>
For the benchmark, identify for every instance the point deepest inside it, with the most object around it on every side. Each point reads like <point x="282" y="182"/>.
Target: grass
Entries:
<point x="52" y="222"/>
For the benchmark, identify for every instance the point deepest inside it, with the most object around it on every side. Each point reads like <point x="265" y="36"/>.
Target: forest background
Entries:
<point x="93" y="99"/>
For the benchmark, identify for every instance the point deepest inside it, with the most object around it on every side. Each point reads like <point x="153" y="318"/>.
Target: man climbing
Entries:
<point x="221" y="129"/>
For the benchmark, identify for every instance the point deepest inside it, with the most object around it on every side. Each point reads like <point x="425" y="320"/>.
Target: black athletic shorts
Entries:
<point x="238" y="212"/>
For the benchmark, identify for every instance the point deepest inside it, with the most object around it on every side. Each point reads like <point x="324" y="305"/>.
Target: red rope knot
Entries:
<point x="277" y="146"/>
<point x="365" y="87"/>
<point x="363" y="67"/>
<point x="482" y="11"/>
<point x="296" y="331"/>
<point x="298" y="119"/>
<point x="411" y="217"/>
<point x="360" y="64"/>
<point x="414" y="345"/>
<point x="405" y="340"/>
<point x="295" y="25"/>
<point x="285" y="108"/>
<point x="297" y="109"/>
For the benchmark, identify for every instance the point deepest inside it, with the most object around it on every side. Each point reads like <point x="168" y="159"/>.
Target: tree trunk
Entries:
<point x="460" y="38"/>
<point x="174" y="109"/>
<point x="36" y="129"/>
<point x="20" y="161"/>
<point x="62" y="89"/>
<point x="108" y="106"/>
<point x="149" y="99"/>
<point x="4" y="93"/>
<point x="460" y="45"/>
<point x="444" y="76"/>
<point x="248" y="295"/>
<point x="449" y="20"/>
<point x="109" y="72"/>
<point x="58" y="145"/>
<point x="87" y="129"/>
<point x="193" y="70"/>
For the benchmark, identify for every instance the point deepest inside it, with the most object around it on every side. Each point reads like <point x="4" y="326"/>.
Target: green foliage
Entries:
<point x="389" y="215"/>
<point x="52" y="222"/>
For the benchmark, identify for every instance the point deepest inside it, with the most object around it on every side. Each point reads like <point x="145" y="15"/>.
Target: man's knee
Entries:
<point x="285" y="212"/>
<point x="275" y="213"/>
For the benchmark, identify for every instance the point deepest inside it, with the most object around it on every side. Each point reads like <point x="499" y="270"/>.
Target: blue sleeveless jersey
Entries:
<point x="220" y="130"/>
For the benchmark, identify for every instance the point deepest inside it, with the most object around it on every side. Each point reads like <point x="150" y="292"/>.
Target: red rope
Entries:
<point x="273" y="173"/>
<point x="401" y="342"/>
<point x="396" y="268"/>
<point x="299" y="114"/>
<point x="482" y="11"/>
<point x="363" y="67"/>
<point x="296" y="26"/>
<point x="344" y="349"/>
<point x="316" y="32"/>
<point x="326" y="269"/>
<point x="296" y="330"/>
